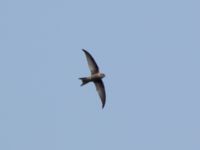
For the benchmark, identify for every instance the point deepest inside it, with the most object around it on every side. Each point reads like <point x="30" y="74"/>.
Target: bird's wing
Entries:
<point x="91" y="63"/>
<point x="101" y="91"/>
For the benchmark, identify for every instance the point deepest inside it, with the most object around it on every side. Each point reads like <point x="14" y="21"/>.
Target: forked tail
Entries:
<point x="84" y="81"/>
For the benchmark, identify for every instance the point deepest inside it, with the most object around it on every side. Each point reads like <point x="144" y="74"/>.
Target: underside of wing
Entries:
<point x="101" y="91"/>
<point x="91" y="62"/>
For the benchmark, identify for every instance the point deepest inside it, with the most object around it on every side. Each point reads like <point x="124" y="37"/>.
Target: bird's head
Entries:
<point x="102" y="75"/>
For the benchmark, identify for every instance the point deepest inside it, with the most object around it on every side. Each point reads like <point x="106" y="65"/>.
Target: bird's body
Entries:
<point x="96" y="77"/>
<point x="92" y="78"/>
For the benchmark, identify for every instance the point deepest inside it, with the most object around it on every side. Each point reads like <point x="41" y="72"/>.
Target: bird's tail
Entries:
<point x="84" y="81"/>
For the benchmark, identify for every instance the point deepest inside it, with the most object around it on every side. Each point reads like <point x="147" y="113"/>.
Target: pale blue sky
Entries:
<point x="149" y="51"/>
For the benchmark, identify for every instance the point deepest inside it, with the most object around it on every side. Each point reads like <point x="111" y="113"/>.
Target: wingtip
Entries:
<point x="103" y="106"/>
<point x="84" y="50"/>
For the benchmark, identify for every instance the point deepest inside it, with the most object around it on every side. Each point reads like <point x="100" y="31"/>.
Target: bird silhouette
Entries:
<point x="95" y="77"/>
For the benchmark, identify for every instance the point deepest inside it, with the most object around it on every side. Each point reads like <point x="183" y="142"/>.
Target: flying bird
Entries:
<point x="95" y="77"/>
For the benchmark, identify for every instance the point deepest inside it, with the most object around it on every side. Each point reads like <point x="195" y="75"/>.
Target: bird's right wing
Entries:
<point x="101" y="91"/>
<point x="91" y="62"/>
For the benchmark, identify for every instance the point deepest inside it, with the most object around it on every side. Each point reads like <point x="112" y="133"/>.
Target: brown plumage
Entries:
<point x="95" y="77"/>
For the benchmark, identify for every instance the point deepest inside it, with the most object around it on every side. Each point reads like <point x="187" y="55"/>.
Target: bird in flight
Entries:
<point x="95" y="77"/>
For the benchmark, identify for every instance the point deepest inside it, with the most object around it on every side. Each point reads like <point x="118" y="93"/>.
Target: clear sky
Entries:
<point x="149" y="51"/>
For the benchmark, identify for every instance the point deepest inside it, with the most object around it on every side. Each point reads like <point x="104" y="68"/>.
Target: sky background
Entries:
<point x="149" y="51"/>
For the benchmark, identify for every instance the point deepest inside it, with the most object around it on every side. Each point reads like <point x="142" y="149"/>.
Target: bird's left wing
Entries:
<point x="91" y="62"/>
<point x="101" y="91"/>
